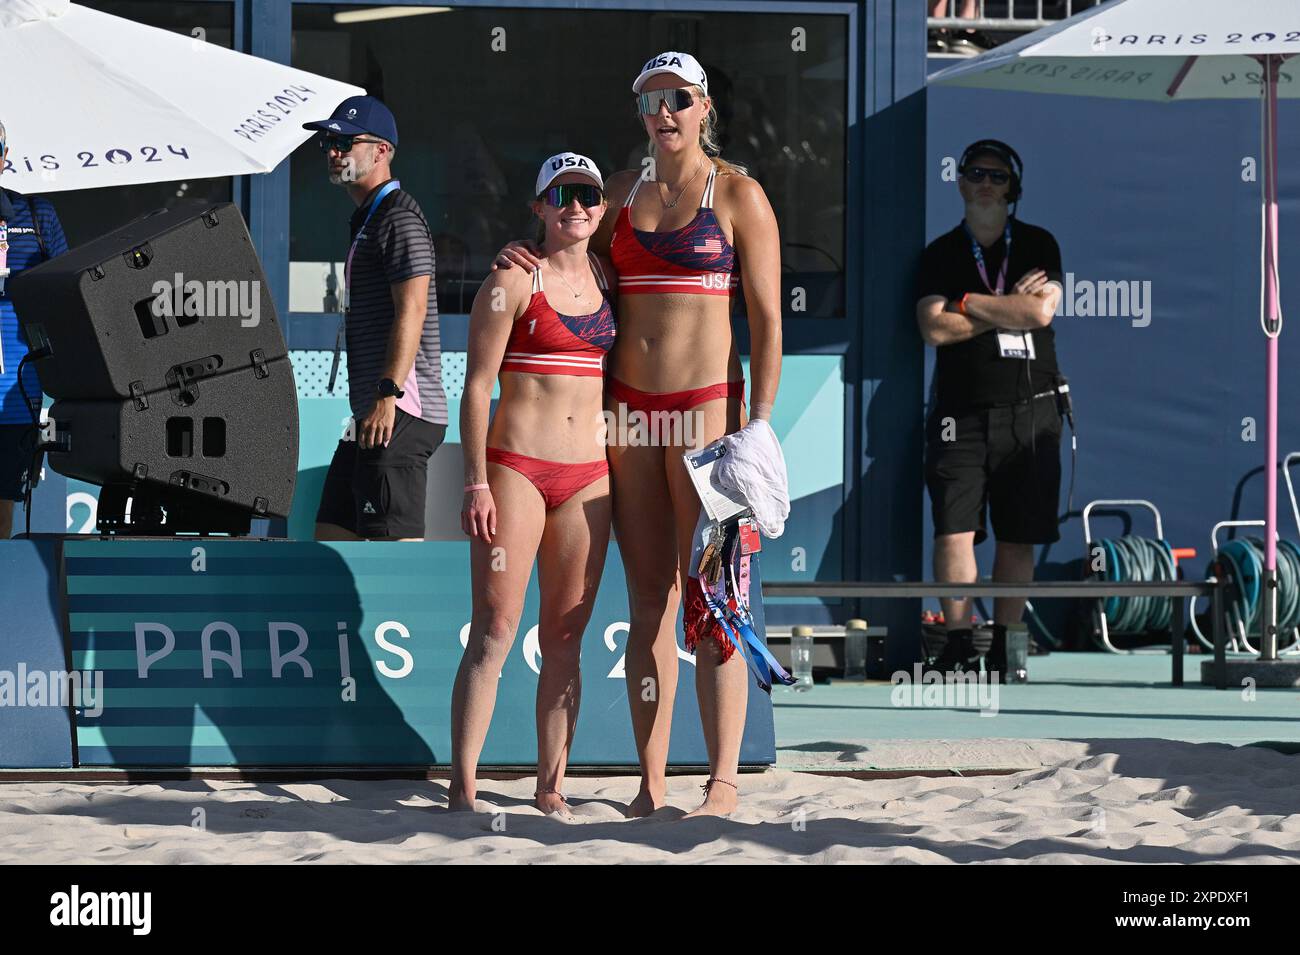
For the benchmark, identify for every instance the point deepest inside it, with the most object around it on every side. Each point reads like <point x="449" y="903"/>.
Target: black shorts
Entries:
<point x="380" y="492"/>
<point x="16" y="444"/>
<point x="989" y="459"/>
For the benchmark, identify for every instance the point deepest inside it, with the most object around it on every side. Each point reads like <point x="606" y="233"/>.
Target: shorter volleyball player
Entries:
<point x="536" y="476"/>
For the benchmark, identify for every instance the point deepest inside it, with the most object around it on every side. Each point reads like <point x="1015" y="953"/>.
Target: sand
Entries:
<point x="1112" y="801"/>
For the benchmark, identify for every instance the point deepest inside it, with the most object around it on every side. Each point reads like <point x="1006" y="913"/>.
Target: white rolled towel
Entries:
<point x="754" y="465"/>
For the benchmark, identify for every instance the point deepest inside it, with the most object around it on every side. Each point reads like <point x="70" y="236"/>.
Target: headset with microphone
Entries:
<point x="1001" y="150"/>
<point x="1012" y="160"/>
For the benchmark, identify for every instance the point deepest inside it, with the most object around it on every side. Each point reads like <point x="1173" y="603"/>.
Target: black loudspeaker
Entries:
<point x="123" y="310"/>
<point x="217" y="444"/>
<point x="172" y="383"/>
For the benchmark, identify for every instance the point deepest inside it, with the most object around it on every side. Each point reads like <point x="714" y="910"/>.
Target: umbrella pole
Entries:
<point x="1272" y="328"/>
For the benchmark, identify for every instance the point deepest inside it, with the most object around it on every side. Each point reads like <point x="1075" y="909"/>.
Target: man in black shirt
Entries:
<point x="988" y="292"/>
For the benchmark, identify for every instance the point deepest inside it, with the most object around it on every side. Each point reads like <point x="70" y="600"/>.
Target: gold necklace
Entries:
<point x="682" y="191"/>
<point x="576" y="293"/>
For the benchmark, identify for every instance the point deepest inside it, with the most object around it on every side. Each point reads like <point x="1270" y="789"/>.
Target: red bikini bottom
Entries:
<point x="554" y="480"/>
<point x="637" y="400"/>
<point x="699" y="623"/>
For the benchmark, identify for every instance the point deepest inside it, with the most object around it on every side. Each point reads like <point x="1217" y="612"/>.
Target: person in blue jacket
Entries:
<point x="30" y="233"/>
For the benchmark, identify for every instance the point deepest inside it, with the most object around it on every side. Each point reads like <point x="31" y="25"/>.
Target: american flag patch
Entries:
<point x="710" y="246"/>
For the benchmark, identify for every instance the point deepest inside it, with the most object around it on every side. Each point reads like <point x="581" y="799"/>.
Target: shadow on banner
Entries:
<point x="220" y="652"/>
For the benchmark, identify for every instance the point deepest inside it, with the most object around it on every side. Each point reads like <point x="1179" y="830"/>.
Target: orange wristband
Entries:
<point x="961" y="303"/>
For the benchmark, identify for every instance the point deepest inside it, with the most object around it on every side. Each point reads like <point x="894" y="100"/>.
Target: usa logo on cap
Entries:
<point x="682" y="65"/>
<point x="562" y="163"/>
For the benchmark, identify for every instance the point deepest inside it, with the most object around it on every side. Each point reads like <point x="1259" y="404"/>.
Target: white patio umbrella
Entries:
<point x="1167" y="50"/>
<point x="93" y="100"/>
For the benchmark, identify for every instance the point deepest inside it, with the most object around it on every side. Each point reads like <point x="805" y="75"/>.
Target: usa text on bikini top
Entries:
<point x="696" y="259"/>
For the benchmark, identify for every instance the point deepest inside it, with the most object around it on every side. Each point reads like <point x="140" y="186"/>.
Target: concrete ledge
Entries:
<point x="820" y="631"/>
<point x="1274" y="673"/>
<point x="913" y="756"/>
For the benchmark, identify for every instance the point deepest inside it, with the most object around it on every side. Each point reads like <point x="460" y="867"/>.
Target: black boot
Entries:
<point x="959" y="654"/>
<point x="995" y="661"/>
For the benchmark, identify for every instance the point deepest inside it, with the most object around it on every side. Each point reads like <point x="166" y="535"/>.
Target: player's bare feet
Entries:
<point x="551" y="801"/>
<point x="646" y="801"/>
<point x="460" y="799"/>
<point x="720" y="799"/>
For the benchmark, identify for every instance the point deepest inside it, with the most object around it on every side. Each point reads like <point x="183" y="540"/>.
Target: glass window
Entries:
<point x="87" y="213"/>
<point x="482" y="96"/>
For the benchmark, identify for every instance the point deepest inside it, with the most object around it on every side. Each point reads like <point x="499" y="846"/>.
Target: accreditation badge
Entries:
<point x="1015" y="344"/>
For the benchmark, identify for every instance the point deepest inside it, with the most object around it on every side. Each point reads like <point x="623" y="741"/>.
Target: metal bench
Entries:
<point x="1038" y="590"/>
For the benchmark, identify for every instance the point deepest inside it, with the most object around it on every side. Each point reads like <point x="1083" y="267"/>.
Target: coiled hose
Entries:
<point x="1240" y="563"/>
<point x="1135" y="559"/>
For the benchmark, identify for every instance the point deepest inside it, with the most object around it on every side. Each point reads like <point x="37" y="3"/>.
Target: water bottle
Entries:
<point x="801" y="651"/>
<point x="855" y="650"/>
<point x="1017" y="653"/>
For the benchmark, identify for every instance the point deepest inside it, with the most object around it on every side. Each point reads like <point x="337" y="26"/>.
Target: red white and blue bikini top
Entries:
<point x="696" y="259"/>
<point x="544" y="342"/>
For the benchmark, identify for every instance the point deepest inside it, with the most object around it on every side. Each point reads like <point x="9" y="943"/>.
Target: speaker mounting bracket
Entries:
<point x="165" y="511"/>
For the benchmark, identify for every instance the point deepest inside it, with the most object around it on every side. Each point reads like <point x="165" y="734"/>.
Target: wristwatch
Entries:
<point x="387" y="388"/>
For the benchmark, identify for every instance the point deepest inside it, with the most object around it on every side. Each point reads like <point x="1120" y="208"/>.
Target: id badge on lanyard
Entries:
<point x="1016" y="344"/>
<point x="347" y="280"/>
<point x="1012" y="343"/>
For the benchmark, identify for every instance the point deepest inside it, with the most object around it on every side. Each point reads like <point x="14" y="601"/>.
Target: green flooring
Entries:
<point x="1069" y="696"/>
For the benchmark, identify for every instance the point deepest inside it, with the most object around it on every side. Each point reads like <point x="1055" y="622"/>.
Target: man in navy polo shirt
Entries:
<point x="375" y="486"/>
<point x="30" y="233"/>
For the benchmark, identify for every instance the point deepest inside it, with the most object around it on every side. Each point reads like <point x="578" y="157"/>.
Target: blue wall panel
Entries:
<point x="35" y="729"/>
<point x="1150" y="193"/>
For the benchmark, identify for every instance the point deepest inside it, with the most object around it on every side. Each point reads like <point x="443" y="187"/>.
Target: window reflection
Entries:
<point x="482" y="95"/>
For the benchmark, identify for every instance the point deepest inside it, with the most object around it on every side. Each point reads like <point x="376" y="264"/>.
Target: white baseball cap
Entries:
<point x="682" y="65"/>
<point x="562" y="163"/>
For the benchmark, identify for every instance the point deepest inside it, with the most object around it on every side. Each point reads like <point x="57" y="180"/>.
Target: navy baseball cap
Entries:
<point x="357" y="115"/>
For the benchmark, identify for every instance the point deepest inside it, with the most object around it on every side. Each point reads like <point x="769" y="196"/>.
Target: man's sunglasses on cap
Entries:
<point x="676" y="99"/>
<point x="587" y="195"/>
<point x="342" y="143"/>
<point x="999" y="177"/>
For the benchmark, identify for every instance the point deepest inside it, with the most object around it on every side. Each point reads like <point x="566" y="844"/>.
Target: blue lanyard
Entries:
<point x="384" y="190"/>
<point x="979" y="259"/>
<point x="729" y="608"/>
<point x="347" y="265"/>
